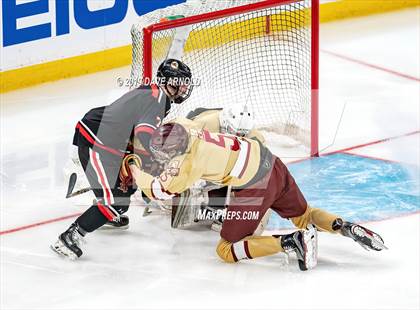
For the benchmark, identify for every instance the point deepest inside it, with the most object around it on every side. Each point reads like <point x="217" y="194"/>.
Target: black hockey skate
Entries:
<point x="363" y="236"/>
<point x="68" y="243"/>
<point x="118" y="223"/>
<point x="305" y="244"/>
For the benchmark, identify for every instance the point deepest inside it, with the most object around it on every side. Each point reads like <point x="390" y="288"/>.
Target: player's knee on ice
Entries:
<point x="303" y="220"/>
<point x="224" y="250"/>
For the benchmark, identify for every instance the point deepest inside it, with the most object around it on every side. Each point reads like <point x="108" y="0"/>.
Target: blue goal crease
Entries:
<point x="356" y="188"/>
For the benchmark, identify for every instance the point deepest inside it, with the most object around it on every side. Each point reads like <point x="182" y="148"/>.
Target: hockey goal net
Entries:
<point x="262" y="53"/>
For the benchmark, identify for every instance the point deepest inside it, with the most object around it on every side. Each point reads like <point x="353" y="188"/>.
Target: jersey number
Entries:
<point x="221" y="140"/>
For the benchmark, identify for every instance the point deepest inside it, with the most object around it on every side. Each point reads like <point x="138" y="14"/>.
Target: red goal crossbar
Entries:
<point x="165" y="25"/>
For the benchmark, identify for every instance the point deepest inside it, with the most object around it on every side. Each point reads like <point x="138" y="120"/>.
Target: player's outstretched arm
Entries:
<point x="143" y="180"/>
<point x="175" y="179"/>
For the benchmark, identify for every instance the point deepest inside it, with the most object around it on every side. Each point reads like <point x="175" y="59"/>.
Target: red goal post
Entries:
<point x="287" y="23"/>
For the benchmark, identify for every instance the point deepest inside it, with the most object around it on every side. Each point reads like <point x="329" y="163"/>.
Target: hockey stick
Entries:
<point x="72" y="184"/>
<point x="79" y="192"/>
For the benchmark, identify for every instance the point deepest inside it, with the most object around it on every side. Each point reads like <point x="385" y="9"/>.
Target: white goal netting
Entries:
<point x="260" y="57"/>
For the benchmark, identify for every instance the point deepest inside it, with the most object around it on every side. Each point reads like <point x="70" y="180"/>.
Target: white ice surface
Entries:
<point x="153" y="266"/>
<point x="405" y="150"/>
<point x="396" y="41"/>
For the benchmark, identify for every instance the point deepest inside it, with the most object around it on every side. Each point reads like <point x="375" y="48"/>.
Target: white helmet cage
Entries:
<point x="236" y="120"/>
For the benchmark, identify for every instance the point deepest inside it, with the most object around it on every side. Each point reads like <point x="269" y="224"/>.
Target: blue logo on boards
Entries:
<point x="84" y="18"/>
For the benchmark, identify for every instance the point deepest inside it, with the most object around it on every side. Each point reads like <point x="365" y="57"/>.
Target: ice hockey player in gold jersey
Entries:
<point x="235" y="119"/>
<point x="261" y="181"/>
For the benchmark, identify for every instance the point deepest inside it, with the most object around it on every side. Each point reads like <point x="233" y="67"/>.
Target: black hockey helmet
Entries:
<point x="176" y="78"/>
<point x="168" y="141"/>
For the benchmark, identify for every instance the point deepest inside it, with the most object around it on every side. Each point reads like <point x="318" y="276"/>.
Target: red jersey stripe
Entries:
<point x="105" y="211"/>
<point x="155" y="90"/>
<point x="101" y="174"/>
<point x="143" y="128"/>
<point x="91" y="140"/>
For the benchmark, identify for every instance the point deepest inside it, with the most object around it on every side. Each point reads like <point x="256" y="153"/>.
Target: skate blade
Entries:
<point x="110" y="227"/>
<point x="377" y="245"/>
<point x="63" y="251"/>
<point x="310" y="238"/>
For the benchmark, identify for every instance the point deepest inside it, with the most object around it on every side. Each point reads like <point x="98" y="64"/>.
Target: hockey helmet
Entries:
<point x="176" y="78"/>
<point x="236" y="120"/>
<point x="168" y="141"/>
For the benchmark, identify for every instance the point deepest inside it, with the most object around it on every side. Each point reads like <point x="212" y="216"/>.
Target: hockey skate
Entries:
<point x="217" y="223"/>
<point x="305" y="244"/>
<point x="363" y="236"/>
<point x="120" y="223"/>
<point x="68" y="243"/>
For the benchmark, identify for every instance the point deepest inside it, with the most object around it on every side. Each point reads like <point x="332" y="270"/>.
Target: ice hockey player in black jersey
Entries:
<point x="104" y="137"/>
